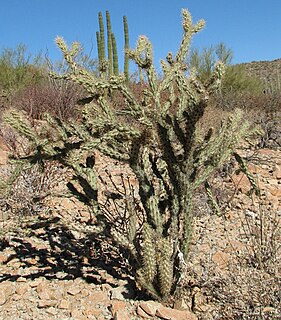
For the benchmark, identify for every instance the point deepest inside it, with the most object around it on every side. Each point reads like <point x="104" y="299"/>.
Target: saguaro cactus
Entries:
<point x="101" y="41"/>
<point x="112" y="53"/>
<point x="126" y="48"/>
<point x="109" y="44"/>
<point x="115" y="55"/>
<point x="161" y="143"/>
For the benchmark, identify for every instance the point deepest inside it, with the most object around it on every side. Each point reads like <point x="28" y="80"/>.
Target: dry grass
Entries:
<point x="252" y="287"/>
<point x="27" y="194"/>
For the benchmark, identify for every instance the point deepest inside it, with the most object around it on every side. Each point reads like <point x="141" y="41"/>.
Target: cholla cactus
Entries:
<point x="159" y="138"/>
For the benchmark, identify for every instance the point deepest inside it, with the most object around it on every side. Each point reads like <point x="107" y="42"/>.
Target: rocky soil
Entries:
<point x="54" y="266"/>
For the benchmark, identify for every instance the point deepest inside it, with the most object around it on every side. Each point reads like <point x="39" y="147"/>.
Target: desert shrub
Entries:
<point x="204" y="61"/>
<point x="263" y="110"/>
<point x="27" y="194"/>
<point x="237" y="86"/>
<point x="251" y="287"/>
<point x="25" y="83"/>
<point x="157" y="134"/>
<point x="269" y="122"/>
<point x="19" y="70"/>
<point x="238" y="80"/>
<point x="245" y="293"/>
<point x="56" y="97"/>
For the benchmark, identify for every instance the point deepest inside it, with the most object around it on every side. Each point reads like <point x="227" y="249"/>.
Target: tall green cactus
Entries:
<point x="99" y="48"/>
<point x="109" y="45"/>
<point x="101" y="41"/>
<point x="115" y="55"/>
<point x="126" y="48"/>
<point x="168" y="154"/>
<point x="112" y="65"/>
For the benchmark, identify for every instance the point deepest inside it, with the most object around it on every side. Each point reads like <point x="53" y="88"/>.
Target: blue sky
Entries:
<point x="251" y="28"/>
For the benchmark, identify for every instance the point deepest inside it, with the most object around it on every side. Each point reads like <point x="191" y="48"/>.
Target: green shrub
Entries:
<point x="236" y="79"/>
<point x="158" y="136"/>
<point x="17" y="70"/>
<point x="204" y="61"/>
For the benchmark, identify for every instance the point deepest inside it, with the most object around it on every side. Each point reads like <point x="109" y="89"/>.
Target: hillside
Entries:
<point x="268" y="71"/>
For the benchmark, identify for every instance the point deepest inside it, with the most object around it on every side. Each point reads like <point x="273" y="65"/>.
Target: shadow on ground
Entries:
<point x="64" y="257"/>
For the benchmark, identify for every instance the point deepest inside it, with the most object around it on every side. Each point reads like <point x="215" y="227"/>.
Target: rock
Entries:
<point x="46" y="303"/>
<point x="173" y="314"/>
<point x="235" y="246"/>
<point x="21" y="279"/>
<point x="3" y="257"/>
<point x="6" y="290"/>
<point x="122" y="293"/>
<point x="22" y="289"/>
<point x="3" y="157"/>
<point x="52" y="311"/>
<point x="3" y="297"/>
<point x="16" y="297"/>
<point x="199" y="300"/>
<point x="4" y="216"/>
<point x="35" y="282"/>
<point x="73" y="290"/>
<point x="32" y="261"/>
<point x="84" y="219"/>
<point x="121" y="315"/>
<point x="142" y="313"/>
<point x="92" y="312"/>
<point x="85" y="216"/>
<point x="97" y="297"/>
<point x="275" y="190"/>
<point x="274" y="203"/>
<point x="41" y="285"/>
<point x="61" y="275"/>
<point x="106" y="287"/>
<point x="277" y="174"/>
<point x="44" y="295"/>
<point x="221" y="259"/>
<point x="67" y="204"/>
<point x="117" y="305"/>
<point x="268" y="310"/>
<point x="45" y="292"/>
<point x="64" y="304"/>
<point x="180" y="304"/>
<point x="85" y="292"/>
<point x="77" y="314"/>
<point x="3" y="145"/>
<point x="241" y="182"/>
<point x="150" y="307"/>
